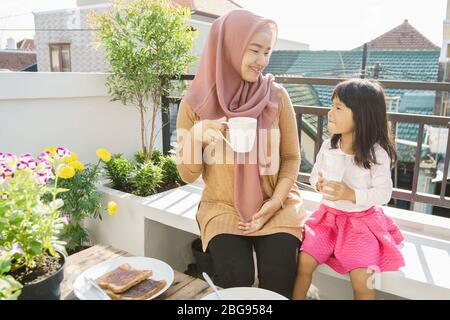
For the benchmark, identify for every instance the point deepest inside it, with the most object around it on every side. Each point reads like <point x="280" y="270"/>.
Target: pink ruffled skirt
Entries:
<point x="350" y="240"/>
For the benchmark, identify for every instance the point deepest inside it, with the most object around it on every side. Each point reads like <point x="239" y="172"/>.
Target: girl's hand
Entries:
<point x="208" y="131"/>
<point x="339" y="191"/>
<point x="259" y="219"/>
<point x="321" y="182"/>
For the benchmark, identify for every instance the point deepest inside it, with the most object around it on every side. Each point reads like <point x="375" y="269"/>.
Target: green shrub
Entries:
<point x="169" y="169"/>
<point x="139" y="157"/>
<point x="156" y="157"/>
<point x="147" y="179"/>
<point x="120" y="171"/>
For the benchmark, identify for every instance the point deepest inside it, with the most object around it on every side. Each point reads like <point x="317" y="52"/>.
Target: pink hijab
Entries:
<point x="218" y="90"/>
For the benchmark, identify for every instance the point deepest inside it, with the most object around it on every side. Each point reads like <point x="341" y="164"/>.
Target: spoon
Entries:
<point x="211" y="284"/>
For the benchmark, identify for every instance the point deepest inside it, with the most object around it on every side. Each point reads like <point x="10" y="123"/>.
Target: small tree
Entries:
<point x="147" y="43"/>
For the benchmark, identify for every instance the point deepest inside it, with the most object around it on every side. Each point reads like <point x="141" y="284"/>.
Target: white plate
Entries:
<point x="245" y="293"/>
<point x="160" y="269"/>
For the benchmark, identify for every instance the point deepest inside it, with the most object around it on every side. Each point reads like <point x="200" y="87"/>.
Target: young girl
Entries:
<point x="350" y="232"/>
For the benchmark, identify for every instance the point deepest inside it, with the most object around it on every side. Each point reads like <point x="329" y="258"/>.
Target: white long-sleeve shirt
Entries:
<point x="372" y="186"/>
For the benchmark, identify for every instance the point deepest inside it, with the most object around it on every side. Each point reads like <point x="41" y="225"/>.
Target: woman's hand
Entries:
<point x="334" y="191"/>
<point x="259" y="219"/>
<point x="208" y="131"/>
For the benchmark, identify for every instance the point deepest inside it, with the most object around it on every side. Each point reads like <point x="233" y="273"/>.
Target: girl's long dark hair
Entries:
<point x="367" y="101"/>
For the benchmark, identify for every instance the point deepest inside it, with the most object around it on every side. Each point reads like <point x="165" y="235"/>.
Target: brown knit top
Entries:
<point x="216" y="214"/>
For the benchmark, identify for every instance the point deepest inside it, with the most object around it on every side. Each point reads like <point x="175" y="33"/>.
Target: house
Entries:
<point x="70" y="47"/>
<point x="26" y="45"/>
<point x="20" y="57"/>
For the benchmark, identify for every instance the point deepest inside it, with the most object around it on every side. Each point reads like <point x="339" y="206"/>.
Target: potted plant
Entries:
<point x="30" y="225"/>
<point x="147" y="43"/>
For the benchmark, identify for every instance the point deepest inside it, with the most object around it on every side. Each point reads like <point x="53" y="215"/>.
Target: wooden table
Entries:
<point x="183" y="287"/>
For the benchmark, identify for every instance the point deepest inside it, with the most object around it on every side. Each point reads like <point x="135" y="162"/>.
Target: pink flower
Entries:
<point x="26" y="161"/>
<point x="26" y="157"/>
<point x="16" y="249"/>
<point x="62" y="152"/>
<point x="44" y="172"/>
<point x="22" y="165"/>
<point x="42" y="178"/>
<point x="5" y="172"/>
<point x="9" y="159"/>
<point x="66" y="219"/>
<point x="45" y="156"/>
<point x="43" y="167"/>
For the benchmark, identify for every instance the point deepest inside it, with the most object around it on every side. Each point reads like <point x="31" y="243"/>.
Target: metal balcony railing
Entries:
<point x="412" y="195"/>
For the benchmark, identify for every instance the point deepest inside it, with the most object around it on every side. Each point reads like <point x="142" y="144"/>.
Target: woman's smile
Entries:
<point x="255" y="70"/>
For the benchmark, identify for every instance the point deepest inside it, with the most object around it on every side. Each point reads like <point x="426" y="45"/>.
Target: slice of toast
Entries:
<point x="141" y="291"/>
<point x="122" y="278"/>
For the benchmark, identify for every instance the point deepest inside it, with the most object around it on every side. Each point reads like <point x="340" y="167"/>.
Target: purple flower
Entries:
<point x="5" y="157"/>
<point x="22" y="165"/>
<point x="62" y="152"/>
<point x="26" y="157"/>
<point x="44" y="172"/>
<point x="16" y="249"/>
<point x="32" y="164"/>
<point x="5" y="172"/>
<point x="42" y="178"/>
<point x="45" y="156"/>
<point x="66" y="219"/>
<point x="26" y="161"/>
<point x="9" y="159"/>
<point x="43" y="167"/>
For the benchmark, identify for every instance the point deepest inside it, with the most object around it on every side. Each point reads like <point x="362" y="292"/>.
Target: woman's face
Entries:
<point x="340" y="118"/>
<point x="256" y="55"/>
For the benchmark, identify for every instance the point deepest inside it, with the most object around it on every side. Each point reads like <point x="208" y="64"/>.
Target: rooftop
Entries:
<point x="16" y="60"/>
<point x="413" y="65"/>
<point x="402" y="37"/>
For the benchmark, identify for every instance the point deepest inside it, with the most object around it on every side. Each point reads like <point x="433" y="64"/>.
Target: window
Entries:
<point x="60" y="57"/>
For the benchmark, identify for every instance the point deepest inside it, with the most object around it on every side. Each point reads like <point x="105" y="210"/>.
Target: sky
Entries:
<point x="17" y="14"/>
<point x="346" y="24"/>
<point x="323" y="24"/>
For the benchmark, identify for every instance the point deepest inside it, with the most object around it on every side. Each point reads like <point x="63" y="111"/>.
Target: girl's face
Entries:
<point x="340" y="118"/>
<point x="256" y="55"/>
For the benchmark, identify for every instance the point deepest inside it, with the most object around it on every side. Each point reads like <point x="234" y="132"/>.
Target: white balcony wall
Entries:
<point x="74" y="110"/>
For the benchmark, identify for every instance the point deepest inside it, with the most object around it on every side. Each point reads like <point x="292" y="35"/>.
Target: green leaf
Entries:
<point x="35" y="247"/>
<point x="5" y="266"/>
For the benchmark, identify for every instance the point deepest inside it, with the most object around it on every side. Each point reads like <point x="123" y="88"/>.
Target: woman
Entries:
<point x="244" y="206"/>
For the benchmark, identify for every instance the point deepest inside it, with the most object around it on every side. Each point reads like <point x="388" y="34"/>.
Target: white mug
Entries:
<point x="242" y="131"/>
